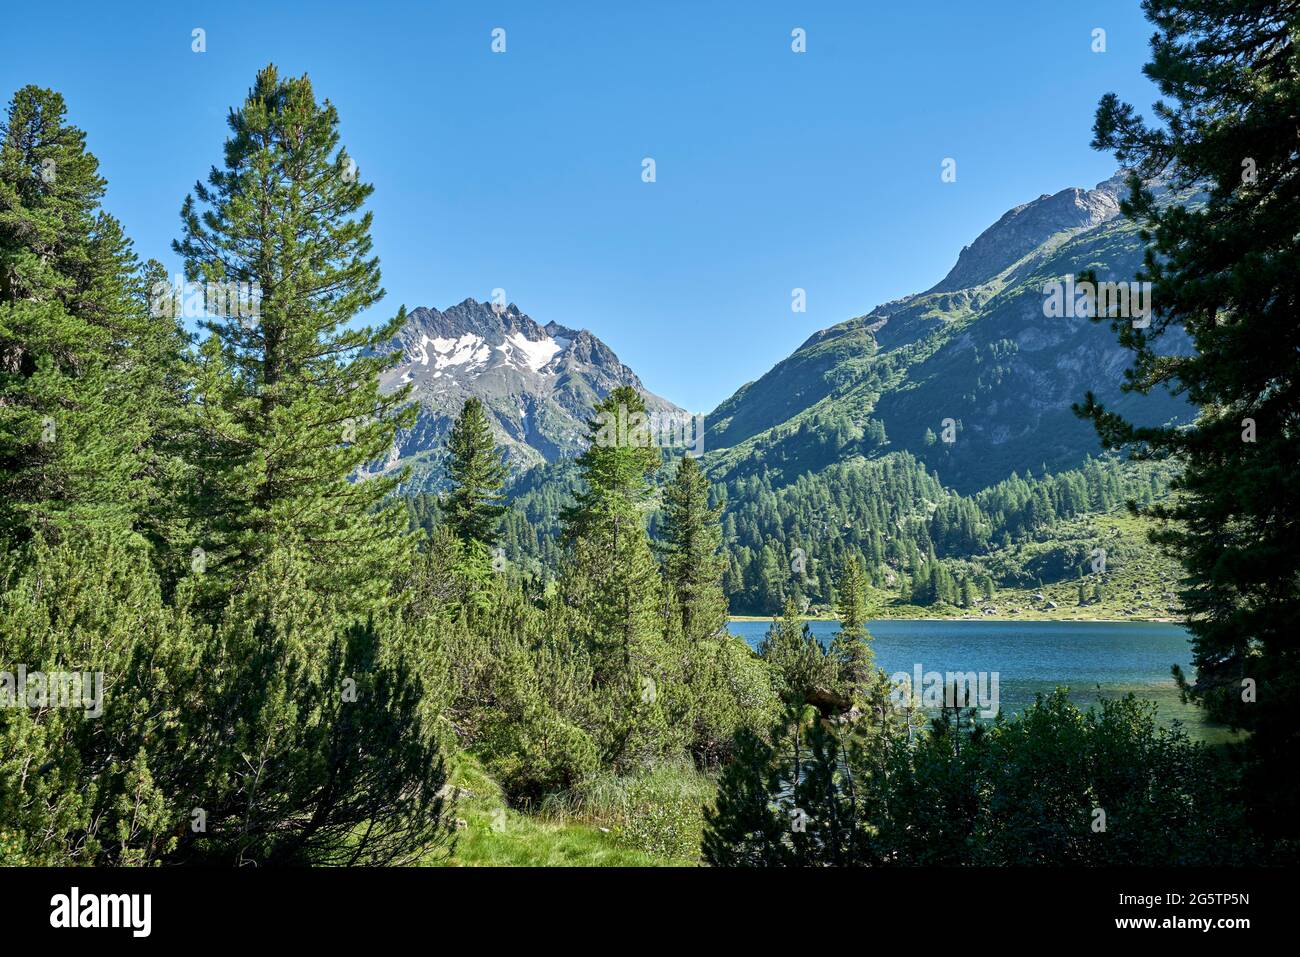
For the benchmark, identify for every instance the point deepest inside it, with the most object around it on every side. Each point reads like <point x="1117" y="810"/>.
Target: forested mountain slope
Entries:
<point x="933" y="437"/>
<point x="976" y="349"/>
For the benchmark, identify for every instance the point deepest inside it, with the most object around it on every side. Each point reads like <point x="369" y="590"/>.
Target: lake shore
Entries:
<point x="1111" y="621"/>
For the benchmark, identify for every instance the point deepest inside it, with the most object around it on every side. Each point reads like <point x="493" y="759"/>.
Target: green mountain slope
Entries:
<point x="933" y="438"/>
<point x="977" y="350"/>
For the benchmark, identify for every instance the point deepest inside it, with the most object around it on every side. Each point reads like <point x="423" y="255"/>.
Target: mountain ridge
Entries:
<point x="538" y="383"/>
<point x="974" y="358"/>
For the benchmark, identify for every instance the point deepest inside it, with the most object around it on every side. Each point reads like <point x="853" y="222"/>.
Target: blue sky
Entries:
<point x="522" y="170"/>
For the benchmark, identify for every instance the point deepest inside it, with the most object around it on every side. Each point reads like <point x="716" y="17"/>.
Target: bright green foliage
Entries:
<point x="314" y="741"/>
<point x="658" y="810"/>
<point x="76" y="787"/>
<point x="529" y="744"/>
<point x="497" y="836"/>
<point x="730" y="689"/>
<point x="1225" y="273"/>
<point x="799" y="663"/>
<point x="290" y="404"/>
<point x="473" y="508"/>
<point x="530" y="697"/>
<point x="278" y="736"/>
<point x="84" y="369"/>
<point x="599" y="675"/>
<point x="894" y="517"/>
<point x="521" y="691"/>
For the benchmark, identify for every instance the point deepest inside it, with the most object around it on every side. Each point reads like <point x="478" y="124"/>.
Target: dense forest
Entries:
<point x="295" y="665"/>
<point x="919" y="542"/>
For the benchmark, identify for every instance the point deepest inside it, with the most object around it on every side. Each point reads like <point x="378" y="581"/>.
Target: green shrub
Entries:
<point x="77" y="788"/>
<point x="242" y="729"/>
<point x="1029" y="790"/>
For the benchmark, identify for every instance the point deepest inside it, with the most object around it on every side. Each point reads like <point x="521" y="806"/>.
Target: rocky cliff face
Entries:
<point x="1024" y="229"/>
<point x="539" y="383"/>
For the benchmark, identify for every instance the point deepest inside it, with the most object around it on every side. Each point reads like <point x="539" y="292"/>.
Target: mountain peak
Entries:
<point x="1026" y="227"/>
<point x="539" y="383"/>
<point x="977" y="353"/>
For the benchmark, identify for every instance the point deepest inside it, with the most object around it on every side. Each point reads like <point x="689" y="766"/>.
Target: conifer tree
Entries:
<point x="1224" y="273"/>
<point x="291" y="410"/>
<point x="83" y="366"/>
<point x="612" y="573"/>
<point x="850" y="648"/>
<point x="799" y="663"/>
<point x="611" y="583"/>
<point x="743" y="828"/>
<point x="693" y="563"/>
<point x="473" y="507"/>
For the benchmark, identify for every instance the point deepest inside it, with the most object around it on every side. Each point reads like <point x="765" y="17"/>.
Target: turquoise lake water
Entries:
<point x="1092" y="659"/>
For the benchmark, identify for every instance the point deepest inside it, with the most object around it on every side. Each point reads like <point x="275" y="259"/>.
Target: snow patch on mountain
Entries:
<point x="469" y="348"/>
<point x="538" y="383"/>
<point x="535" y="354"/>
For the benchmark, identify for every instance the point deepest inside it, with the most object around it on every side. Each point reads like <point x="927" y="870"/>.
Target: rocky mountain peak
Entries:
<point x="539" y="383"/>
<point x="1026" y="227"/>
<point x="978" y="352"/>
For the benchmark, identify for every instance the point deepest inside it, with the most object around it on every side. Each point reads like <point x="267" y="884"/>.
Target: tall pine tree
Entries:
<point x="1226" y="273"/>
<point x="692" y="541"/>
<point x="291" y="410"/>
<point x="612" y="570"/>
<point x="83" y="365"/>
<point x="611" y="583"/>
<point x="850" y="648"/>
<point x="473" y="507"/>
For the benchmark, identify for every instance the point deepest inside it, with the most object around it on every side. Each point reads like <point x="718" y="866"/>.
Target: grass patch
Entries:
<point x="495" y="835"/>
<point x="659" y="811"/>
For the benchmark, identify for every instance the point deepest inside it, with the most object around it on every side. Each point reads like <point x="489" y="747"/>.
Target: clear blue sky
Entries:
<point x="522" y="170"/>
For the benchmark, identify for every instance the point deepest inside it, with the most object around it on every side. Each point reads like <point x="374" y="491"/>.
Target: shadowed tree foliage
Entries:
<point x="1022" y="791"/>
<point x="1225" y="270"/>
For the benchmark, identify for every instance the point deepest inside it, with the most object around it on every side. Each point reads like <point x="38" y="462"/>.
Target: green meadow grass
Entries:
<point x="495" y="835"/>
